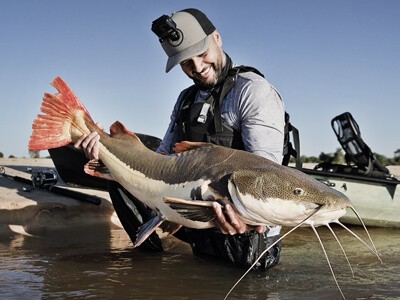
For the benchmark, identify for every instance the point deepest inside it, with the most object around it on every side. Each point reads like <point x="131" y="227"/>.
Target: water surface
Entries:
<point x="98" y="262"/>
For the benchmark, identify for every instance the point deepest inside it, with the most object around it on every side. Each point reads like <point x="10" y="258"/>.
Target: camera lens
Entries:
<point x="165" y="28"/>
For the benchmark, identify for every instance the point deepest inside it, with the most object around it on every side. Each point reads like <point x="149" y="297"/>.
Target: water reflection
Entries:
<point x="98" y="262"/>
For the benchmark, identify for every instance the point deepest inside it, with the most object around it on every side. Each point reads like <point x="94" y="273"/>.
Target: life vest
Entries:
<point x="202" y="121"/>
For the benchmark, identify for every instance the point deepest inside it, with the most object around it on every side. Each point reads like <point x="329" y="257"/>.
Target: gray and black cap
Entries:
<point x="194" y="31"/>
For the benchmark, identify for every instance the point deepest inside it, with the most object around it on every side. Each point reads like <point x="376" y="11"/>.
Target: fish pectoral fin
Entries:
<point x="95" y="167"/>
<point x="147" y="229"/>
<point x="195" y="210"/>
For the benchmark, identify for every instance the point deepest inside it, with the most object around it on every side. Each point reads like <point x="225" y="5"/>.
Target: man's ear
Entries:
<point x="217" y="38"/>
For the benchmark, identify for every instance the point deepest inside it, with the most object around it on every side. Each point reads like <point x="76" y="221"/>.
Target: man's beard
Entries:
<point x="208" y="85"/>
<point x="217" y="67"/>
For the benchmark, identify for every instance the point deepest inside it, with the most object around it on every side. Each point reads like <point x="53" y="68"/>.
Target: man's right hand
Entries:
<point x="228" y="221"/>
<point x="90" y="144"/>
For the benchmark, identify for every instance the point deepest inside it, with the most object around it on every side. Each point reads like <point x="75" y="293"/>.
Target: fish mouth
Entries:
<point x="325" y="216"/>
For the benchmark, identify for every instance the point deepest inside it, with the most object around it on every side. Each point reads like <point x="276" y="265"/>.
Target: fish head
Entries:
<point x="279" y="195"/>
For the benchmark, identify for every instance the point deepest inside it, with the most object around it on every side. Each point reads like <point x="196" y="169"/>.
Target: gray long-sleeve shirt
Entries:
<point x="254" y="108"/>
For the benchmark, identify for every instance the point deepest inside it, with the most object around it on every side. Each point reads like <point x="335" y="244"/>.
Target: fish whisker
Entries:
<point x="365" y="228"/>
<point x="327" y="259"/>
<point x="373" y="249"/>
<point x="266" y="250"/>
<point x="341" y="247"/>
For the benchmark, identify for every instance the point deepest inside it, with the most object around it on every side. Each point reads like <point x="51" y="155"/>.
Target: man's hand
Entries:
<point x="229" y="222"/>
<point x="90" y="144"/>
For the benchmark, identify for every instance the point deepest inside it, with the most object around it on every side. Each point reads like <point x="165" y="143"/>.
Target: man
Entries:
<point x="227" y="106"/>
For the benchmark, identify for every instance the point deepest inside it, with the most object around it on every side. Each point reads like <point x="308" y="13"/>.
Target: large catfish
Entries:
<point x="181" y="187"/>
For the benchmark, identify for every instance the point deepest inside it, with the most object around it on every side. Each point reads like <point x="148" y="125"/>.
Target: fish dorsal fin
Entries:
<point x="187" y="146"/>
<point x="119" y="130"/>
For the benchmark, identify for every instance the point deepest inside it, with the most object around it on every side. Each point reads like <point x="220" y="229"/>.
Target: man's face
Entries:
<point x="206" y="68"/>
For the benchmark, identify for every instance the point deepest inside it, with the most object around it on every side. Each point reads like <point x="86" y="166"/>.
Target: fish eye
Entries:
<point x="298" y="191"/>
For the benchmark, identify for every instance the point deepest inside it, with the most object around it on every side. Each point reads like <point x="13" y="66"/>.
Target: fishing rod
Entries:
<point x="46" y="179"/>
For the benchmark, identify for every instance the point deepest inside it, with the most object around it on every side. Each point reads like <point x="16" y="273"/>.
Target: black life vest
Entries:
<point x="202" y="121"/>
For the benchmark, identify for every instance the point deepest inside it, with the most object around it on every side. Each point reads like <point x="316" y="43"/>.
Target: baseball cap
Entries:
<point x="188" y="35"/>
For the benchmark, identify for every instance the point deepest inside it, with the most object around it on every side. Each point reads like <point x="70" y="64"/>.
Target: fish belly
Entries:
<point x="152" y="192"/>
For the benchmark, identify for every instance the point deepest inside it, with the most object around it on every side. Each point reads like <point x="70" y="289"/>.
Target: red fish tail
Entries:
<point x="65" y="119"/>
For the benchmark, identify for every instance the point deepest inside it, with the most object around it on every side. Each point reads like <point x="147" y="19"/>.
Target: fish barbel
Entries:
<point x="181" y="187"/>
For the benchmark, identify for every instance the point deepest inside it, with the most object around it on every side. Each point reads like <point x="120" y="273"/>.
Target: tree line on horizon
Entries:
<point x="338" y="157"/>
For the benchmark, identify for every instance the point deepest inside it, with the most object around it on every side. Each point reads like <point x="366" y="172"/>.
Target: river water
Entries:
<point x="98" y="262"/>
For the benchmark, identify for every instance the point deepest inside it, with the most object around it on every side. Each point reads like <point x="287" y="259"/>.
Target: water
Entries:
<point x="97" y="262"/>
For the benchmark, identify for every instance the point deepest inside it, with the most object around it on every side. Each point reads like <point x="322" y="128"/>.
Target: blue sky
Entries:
<point x="324" y="57"/>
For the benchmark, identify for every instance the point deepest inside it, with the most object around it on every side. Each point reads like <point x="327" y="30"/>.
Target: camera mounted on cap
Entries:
<point x="165" y="28"/>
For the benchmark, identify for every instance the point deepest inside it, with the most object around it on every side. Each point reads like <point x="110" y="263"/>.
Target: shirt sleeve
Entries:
<point x="262" y="119"/>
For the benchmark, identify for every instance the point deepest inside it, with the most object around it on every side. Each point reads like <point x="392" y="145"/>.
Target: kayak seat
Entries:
<point x="357" y="152"/>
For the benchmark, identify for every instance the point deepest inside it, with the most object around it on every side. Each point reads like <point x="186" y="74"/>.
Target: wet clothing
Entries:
<point x="241" y="249"/>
